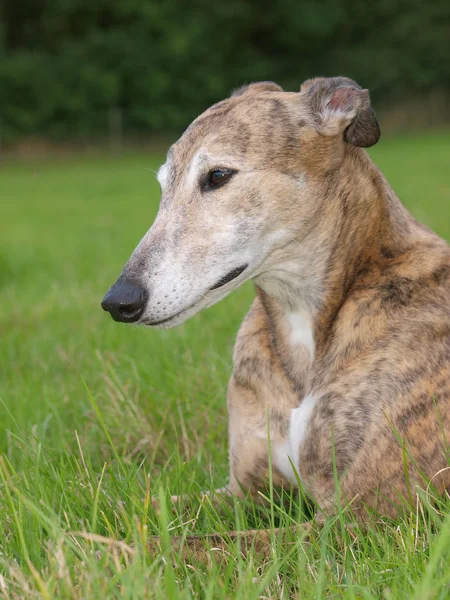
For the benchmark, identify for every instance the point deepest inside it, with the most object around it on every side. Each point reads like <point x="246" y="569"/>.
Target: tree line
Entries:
<point x="64" y="65"/>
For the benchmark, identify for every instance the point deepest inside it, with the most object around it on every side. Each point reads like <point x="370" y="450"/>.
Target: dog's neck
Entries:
<point x="361" y="224"/>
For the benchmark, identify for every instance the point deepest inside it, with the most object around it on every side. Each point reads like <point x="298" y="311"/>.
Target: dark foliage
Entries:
<point x="66" y="64"/>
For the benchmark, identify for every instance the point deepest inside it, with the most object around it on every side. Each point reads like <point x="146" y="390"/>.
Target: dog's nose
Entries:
<point x="125" y="301"/>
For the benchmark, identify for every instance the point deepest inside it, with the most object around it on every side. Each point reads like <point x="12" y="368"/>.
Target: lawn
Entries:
<point x="97" y="418"/>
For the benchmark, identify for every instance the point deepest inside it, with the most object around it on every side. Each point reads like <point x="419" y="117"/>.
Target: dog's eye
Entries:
<point x="218" y="177"/>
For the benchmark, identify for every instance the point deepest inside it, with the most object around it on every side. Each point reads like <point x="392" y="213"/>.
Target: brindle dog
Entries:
<point x="346" y="348"/>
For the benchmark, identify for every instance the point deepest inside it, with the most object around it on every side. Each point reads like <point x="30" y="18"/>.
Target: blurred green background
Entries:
<point x="85" y="70"/>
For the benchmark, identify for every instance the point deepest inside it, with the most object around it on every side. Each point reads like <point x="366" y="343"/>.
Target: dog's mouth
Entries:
<point x="233" y="274"/>
<point x="229" y="277"/>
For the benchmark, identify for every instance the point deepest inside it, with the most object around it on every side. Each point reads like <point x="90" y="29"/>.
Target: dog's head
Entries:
<point x="241" y="184"/>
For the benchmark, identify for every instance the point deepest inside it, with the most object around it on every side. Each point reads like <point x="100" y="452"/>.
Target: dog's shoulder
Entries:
<point x="414" y="284"/>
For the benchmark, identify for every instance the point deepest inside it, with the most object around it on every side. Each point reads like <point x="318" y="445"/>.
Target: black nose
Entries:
<point x="125" y="301"/>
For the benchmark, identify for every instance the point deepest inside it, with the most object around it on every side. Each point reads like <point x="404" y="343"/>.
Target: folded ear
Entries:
<point x="340" y="105"/>
<point x="257" y="88"/>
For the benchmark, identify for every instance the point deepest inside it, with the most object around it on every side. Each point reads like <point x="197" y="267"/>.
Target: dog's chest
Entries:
<point x="285" y="454"/>
<point x="295" y="346"/>
<point x="298" y="341"/>
<point x="299" y="334"/>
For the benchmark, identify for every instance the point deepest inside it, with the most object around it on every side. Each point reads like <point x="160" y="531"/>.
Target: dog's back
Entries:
<point x="385" y="379"/>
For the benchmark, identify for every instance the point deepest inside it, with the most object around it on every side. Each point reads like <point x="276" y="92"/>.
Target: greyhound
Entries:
<point x="344" y="355"/>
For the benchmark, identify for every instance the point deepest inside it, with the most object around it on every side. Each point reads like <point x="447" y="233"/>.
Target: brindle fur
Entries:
<point x="374" y="282"/>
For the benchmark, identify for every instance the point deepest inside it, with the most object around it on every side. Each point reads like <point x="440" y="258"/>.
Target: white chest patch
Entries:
<point x="301" y="332"/>
<point x="286" y="454"/>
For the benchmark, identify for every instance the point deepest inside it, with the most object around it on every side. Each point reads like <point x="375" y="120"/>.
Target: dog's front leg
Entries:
<point x="249" y="467"/>
<point x="258" y="438"/>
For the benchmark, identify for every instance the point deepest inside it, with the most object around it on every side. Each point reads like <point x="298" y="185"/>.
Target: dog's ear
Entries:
<point x="257" y="88"/>
<point x="340" y="106"/>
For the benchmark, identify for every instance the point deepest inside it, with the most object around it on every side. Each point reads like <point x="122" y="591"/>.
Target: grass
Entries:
<point x="97" y="418"/>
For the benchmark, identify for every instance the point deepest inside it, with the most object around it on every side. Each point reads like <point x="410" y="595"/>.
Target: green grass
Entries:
<point x="97" y="418"/>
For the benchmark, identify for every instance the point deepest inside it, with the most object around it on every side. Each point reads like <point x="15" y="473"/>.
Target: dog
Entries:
<point x="344" y="357"/>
